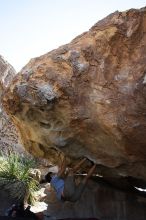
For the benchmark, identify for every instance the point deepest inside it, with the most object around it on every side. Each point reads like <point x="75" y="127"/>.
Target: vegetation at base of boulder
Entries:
<point x="14" y="176"/>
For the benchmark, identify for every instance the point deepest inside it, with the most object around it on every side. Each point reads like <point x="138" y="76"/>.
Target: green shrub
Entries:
<point x="14" y="176"/>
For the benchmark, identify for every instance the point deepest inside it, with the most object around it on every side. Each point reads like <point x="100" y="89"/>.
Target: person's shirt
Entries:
<point x="58" y="184"/>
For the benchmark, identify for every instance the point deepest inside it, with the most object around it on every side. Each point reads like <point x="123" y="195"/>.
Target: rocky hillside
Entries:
<point x="7" y="73"/>
<point x="9" y="139"/>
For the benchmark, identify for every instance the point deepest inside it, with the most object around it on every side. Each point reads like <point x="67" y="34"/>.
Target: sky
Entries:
<point x="30" y="28"/>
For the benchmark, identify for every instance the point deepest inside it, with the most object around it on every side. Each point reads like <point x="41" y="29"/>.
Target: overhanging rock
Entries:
<point x="88" y="98"/>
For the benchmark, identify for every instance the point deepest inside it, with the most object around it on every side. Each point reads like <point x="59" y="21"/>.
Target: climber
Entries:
<point x="64" y="183"/>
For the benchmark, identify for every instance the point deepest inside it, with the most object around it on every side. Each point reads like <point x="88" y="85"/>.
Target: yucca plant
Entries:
<point x="14" y="176"/>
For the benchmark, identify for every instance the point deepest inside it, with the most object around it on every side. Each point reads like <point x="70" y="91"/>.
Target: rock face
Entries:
<point x="101" y="201"/>
<point x="88" y="98"/>
<point x="9" y="139"/>
<point x="7" y="73"/>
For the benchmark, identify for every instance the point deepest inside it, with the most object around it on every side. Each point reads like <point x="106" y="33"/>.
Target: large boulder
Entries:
<point x="88" y="98"/>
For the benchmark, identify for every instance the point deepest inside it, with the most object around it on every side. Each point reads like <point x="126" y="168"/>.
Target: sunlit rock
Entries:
<point x="88" y="98"/>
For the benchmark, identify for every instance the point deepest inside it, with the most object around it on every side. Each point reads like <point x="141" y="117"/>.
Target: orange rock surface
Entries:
<point x="88" y="98"/>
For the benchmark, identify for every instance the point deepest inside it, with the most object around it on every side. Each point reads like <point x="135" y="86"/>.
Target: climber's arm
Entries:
<point x="78" y="165"/>
<point x="89" y="174"/>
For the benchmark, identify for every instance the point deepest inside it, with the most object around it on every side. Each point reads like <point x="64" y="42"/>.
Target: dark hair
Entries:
<point x="48" y="177"/>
